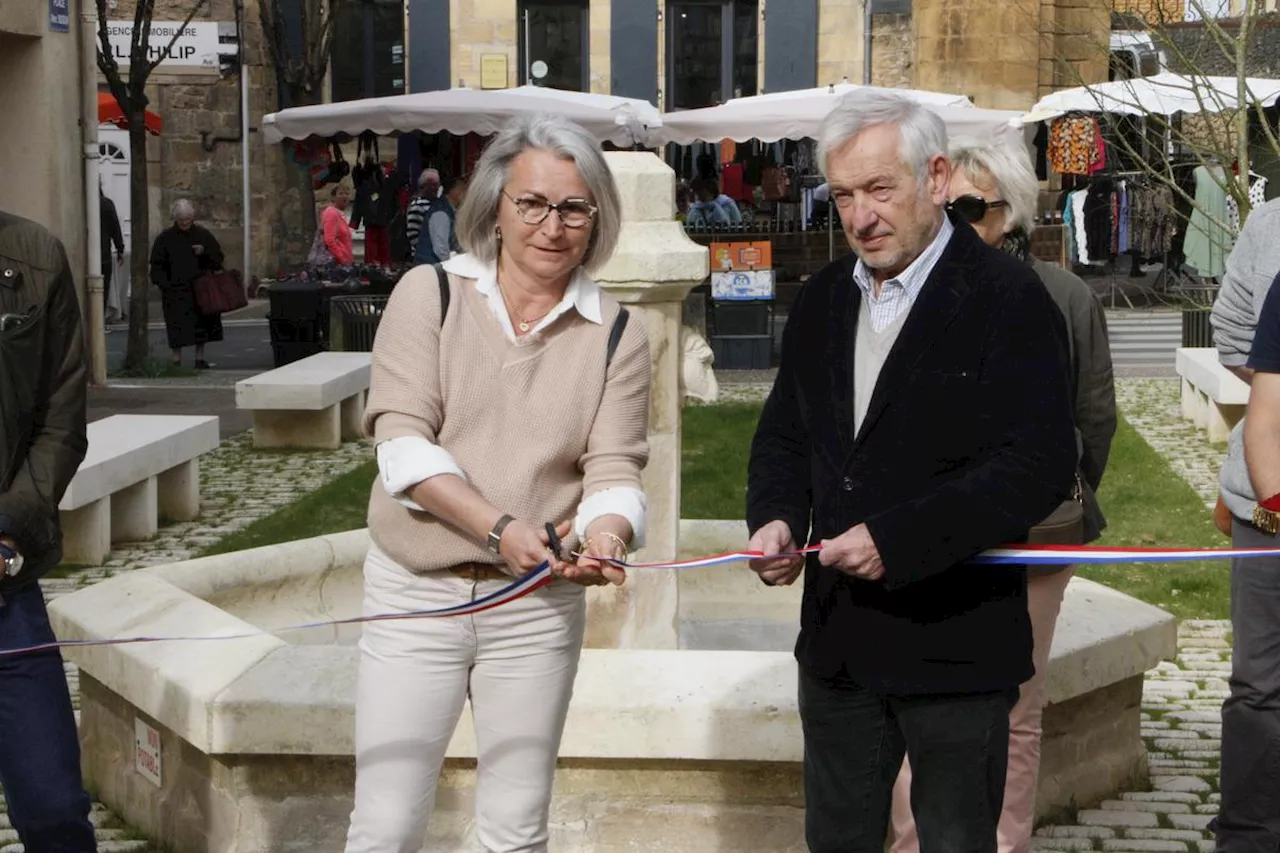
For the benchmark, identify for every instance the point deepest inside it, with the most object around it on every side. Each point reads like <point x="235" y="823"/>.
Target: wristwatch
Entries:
<point x="494" y="542"/>
<point x="10" y="560"/>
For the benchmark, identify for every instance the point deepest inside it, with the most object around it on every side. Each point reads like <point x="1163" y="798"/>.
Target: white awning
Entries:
<point x="1161" y="94"/>
<point x="787" y="115"/>
<point x="460" y="111"/>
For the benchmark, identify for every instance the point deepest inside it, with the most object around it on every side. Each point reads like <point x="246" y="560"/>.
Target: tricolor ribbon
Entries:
<point x="1017" y="555"/>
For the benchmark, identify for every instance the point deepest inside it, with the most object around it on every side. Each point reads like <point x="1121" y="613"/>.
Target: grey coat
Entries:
<point x="1092" y="382"/>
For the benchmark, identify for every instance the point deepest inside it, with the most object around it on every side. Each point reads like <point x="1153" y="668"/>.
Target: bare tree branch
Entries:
<point x="164" y="54"/>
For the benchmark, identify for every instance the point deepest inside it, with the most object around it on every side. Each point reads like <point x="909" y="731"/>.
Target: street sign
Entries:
<point x="59" y="16"/>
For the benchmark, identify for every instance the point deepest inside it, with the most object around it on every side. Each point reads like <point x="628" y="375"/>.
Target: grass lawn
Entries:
<point x="1145" y="501"/>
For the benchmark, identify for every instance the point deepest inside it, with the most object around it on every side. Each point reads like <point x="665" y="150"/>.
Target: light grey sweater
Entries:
<point x="1250" y="270"/>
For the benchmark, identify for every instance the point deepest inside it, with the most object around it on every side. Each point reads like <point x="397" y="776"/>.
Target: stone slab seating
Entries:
<point x="699" y="750"/>
<point x="138" y="469"/>
<point x="1213" y="398"/>
<point x="315" y="403"/>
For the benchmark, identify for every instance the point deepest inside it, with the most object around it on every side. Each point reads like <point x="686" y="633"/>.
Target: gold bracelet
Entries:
<point x="618" y="539"/>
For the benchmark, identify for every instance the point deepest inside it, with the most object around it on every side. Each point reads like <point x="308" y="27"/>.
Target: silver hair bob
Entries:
<point x="181" y="206"/>
<point x="478" y="216"/>
<point x="922" y="132"/>
<point x="1008" y="166"/>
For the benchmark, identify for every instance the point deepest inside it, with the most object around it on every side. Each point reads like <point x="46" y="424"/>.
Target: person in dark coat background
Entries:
<point x="111" y="236"/>
<point x="179" y="256"/>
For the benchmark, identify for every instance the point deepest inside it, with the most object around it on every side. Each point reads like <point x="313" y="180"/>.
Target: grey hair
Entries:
<point x="478" y="216"/>
<point x="1008" y="166"/>
<point x="922" y="132"/>
<point x="180" y="207"/>
<point x="427" y="178"/>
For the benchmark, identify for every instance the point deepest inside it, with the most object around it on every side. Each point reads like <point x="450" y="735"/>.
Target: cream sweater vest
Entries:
<point x="536" y="426"/>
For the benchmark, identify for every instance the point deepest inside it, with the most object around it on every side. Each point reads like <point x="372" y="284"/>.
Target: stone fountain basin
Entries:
<point x="255" y="734"/>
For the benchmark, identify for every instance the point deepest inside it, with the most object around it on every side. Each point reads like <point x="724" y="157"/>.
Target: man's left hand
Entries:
<point x="853" y="552"/>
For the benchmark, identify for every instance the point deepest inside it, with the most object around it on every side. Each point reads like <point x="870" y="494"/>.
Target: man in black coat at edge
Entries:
<point x="920" y="415"/>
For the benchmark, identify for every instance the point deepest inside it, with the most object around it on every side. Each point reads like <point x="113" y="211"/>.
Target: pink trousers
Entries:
<point x="1017" y="820"/>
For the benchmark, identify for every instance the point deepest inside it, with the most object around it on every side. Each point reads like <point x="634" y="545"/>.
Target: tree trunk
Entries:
<point x="139" y="346"/>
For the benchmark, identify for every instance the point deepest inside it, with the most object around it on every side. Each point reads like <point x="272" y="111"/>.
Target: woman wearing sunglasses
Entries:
<point x="995" y="190"/>
<point x="518" y="402"/>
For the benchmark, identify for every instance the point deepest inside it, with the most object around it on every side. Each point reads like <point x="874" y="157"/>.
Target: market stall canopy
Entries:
<point x="458" y="111"/>
<point x="835" y="90"/>
<point x="770" y="118"/>
<point x="109" y="112"/>
<point x="647" y="113"/>
<point x="1161" y="94"/>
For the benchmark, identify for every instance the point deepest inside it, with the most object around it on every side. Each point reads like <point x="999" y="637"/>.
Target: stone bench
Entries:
<point x="257" y="733"/>
<point x="314" y="403"/>
<point x="138" y="469"/>
<point x="1213" y="398"/>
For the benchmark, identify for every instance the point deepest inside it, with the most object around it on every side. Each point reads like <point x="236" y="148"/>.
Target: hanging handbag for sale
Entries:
<point x="219" y="292"/>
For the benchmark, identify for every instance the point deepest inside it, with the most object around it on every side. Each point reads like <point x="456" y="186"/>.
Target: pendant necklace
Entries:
<point x="521" y="323"/>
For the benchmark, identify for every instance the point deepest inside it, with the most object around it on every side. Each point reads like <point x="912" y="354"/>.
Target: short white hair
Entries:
<point x="922" y="133"/>
<point x="478" y="216"/>
<point x="1007" y="165"/>
<point x="182" y="207"/>
<point x="427" y="178"/>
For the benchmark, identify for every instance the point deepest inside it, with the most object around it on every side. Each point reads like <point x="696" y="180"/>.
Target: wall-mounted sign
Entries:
<point x="59" y="16"/>
<point x="196" y="46"/>
<point x="493" y="71"/>
<point x="146" y="753"/>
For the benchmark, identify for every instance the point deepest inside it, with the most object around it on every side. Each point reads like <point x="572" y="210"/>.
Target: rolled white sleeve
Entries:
<point x="406" y="461"/>
<point x="625" y="501"/>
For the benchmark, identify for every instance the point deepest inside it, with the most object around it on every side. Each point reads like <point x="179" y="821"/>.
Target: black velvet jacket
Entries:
<point x="967" y="443"/>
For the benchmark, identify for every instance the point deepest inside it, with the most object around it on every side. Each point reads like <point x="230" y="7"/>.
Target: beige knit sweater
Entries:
<point x="535" y="426"/>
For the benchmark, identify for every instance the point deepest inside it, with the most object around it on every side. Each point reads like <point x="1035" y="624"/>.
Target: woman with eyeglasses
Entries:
<point x="994" y="188"/>
<point x="508" y="393"/>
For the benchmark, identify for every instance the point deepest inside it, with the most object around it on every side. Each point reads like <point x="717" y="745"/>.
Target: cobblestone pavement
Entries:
<point x="1154" y="409"/>
<point x="1182" y="727"/>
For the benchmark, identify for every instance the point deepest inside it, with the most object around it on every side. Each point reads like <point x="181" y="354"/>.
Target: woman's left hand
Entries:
<point x="593" y="568"/>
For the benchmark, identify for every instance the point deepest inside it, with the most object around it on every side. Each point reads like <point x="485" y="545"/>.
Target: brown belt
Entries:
<point x="479" y="572"/>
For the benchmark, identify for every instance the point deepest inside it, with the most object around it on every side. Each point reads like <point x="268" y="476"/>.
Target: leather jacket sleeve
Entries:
<point x="57" y="439"/>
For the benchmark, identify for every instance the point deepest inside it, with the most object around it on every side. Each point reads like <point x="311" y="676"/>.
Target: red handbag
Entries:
<point x="219" y="292"/>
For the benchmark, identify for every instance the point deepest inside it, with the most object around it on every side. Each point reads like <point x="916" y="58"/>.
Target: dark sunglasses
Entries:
<point x="973" y="208"/>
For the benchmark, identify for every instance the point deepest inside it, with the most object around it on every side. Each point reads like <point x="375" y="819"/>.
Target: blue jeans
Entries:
<point x="39" y="747"/>
<point x="854" y="742"/>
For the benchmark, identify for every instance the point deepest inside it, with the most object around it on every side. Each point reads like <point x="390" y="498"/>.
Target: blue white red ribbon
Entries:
<point x="1016" y="555"/>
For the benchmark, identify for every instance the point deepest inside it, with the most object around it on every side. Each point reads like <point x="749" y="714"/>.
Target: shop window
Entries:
<point x="712" y="51"/>
<point x="554" y="38"/>
<point x="368" y="50"/>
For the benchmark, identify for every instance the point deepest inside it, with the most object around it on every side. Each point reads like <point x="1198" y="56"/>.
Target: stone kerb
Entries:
<point x="652" y="271"/>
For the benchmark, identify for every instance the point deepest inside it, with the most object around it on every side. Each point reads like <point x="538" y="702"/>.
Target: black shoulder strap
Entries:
<point x="443" y="278"/>
<point x="615" y="335"/>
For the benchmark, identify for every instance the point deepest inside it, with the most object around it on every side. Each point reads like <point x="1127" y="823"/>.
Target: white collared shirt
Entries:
<point x="406" y="461"/>
<point x="899" y="293"/>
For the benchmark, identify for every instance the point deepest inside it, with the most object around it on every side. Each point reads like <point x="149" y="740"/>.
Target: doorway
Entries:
<point x="555" y="34"/>
<point x="114" y="171"/>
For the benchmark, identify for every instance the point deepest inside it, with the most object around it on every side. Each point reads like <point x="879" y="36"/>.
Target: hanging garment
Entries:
<point x="1122" y="220"/>
<point x="1097" y="216"/>
<point x="1209" y="239"/>
<point x="1078" y="226"/>
<point x="1073" y="145"/>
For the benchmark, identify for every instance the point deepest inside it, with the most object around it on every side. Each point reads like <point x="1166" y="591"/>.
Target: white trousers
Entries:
<point x="516" y="663"/>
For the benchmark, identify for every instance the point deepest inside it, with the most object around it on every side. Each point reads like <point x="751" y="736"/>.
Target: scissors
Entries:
<point x="557" y="547"/>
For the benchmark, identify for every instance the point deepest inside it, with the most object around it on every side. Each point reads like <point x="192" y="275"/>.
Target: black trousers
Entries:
<point x="1249" y="816"/>
<point x="854" y="742"/>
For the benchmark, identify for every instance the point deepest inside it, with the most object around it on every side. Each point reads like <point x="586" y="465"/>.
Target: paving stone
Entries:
<point x="1208" y="808"/>
<point x="1140" y="806"/>
<point x="1164" y="834"/>
<point x="1163" y="797"/>
<point x="1075" y="832"/>
<point x="1106" y="817"/>
<point x="1047" y="844"/>
<point x="1136" y="845"/>
<point x="1190" y="821"/>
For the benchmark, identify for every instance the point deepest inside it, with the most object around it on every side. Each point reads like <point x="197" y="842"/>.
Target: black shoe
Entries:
<point x="203" y="365"/>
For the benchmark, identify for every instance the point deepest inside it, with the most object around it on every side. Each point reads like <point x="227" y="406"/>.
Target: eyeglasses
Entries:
<point x="973" y="208"/>
<point x="573" y="212"/>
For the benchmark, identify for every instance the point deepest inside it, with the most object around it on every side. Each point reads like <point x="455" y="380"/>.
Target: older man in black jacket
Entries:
<point x="42" y="442"/>
<point x="921" y="415"/>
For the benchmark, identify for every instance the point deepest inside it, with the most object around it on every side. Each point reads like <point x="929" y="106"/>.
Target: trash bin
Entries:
<point x="358" y="319"/>
<point x="295" y="320"/>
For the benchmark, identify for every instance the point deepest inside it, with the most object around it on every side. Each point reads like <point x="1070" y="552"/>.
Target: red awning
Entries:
<point x="109" y="112"/>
